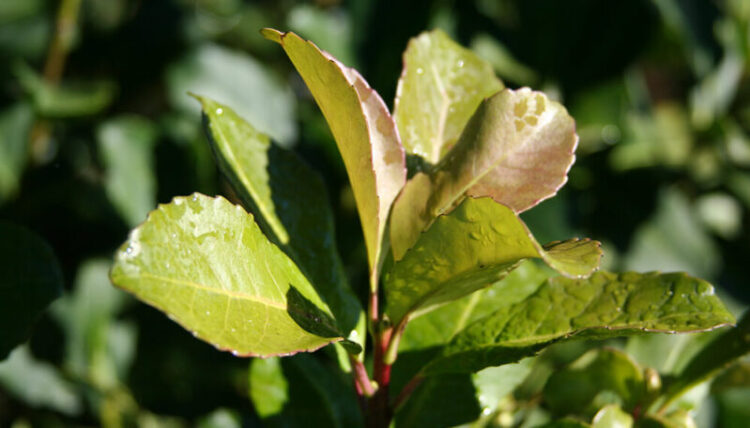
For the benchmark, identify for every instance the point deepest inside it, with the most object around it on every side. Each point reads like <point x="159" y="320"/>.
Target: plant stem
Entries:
<point x="407" y="391"/>
<point x="361" y="379"/>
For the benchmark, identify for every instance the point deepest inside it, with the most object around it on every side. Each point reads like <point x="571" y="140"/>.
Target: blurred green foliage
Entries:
<point x="96" y="127"/>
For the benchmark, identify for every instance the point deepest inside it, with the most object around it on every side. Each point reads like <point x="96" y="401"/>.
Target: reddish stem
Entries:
<point x="407" y="391"/>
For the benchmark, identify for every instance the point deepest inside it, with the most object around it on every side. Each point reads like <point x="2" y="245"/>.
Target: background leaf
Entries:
<point x="470" y="248"/>
<point x="31" y="280"/>
<point x="517" y="148"/>
<point x="441" y="85"/>
<point x="15" y="126"/>
<point x="126" y="145"/>
<point x="206" y="264"/>
<point x="602" y="306"/>
<point x="239" y="81"/>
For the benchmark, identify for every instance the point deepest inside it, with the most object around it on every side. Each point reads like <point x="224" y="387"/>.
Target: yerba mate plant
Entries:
<point x="445" y="247"/>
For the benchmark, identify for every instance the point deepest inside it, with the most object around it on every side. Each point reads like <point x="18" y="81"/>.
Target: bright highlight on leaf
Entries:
<point x="604" y="305"/>
<point x="516" y="148"/>
<point x="364" y="131"/>
<point x="471" y="248"/>
<point x="206" y="264"/>
<point x="440" y="88"/>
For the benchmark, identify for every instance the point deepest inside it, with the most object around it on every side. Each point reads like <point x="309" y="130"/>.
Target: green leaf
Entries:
<point x="67" y="100"/>
<point x="441" y="85"/>
<point x="364" y="132"/>
<point x="291" y="205"/>
<point x="15" y="126"/>
<point x="717" y="355"/>
<point x="495" y="383"/>
<point x="599" y="377"/>
<point x="566" y="423"/>
<point x="602" y="306"/>
<point x="206" y="264"/>
<point x="126" y="147"/>
<point x="240" y="81"/>
<point x="302" y="391"/>
<point x="517" y="148"/>
<point x="30" y="279"/>
<point x="438" y="327"/>
<point x="612" y="416"/>
<point x="38" y="384"/>
<point x="736" y="376"/>
<point x="474" y="246"/>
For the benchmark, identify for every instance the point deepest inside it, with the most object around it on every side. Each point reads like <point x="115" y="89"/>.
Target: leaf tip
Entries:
<point x="272" y="34"/>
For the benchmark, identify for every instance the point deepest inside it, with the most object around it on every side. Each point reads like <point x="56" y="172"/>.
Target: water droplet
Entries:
<point x="420" y="71"/>
<point x="166" y="265"/>
<point x="208" y="312"/>
<point x="195" y="197"/>
<point x="460" y="63"/>
<point x="233" y="330"/>
<point x="235" y="353"/>
<point x="219" y="111"/>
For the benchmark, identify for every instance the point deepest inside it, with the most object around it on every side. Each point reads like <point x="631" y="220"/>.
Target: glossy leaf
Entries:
<point x="302" y="391"/>
<point x="578" y="388"/>
<point x="612" y="416"/>
<point x="717" y="355"/>
<point x="602" y="306"/>
<point x="517" y="148"/>
<point x="240" y="81"/>
<point x="30" y="279"/>
<point x="495" y="383"/>
<point x="206" y="264"/>
<point x="441" y="85"/>
<point x="15" y="126"/>
<point x="474" y="246"/>
<point x="364" y="131"/>
<point x="290" y="201"/>
<point x="126" y="147"/>
<point x="438" y="327"/>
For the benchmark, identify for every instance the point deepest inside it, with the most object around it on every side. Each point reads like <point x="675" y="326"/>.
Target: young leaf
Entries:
<point x="31" y="280"/>
<point x="604" y="305"/>
<point x="612" y="416"/>
<point x="716" y="356"/>
<point x="517" y="148"/>
<point x="474" y="246"/>
<point x="441" y="85"/>
<point x="290" y="200"/>
<point x="206" y="264"/>
<point x="364" y="131"/>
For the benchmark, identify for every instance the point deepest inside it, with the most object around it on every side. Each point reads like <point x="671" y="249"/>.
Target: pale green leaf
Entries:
<point x="30" y="279"/>
<point x="441" y="85"/>
<point x="493" y="384"/>
<point x="240" y="81"/>
<point x="517" y="148"/>
<point x="15" y="127"/>
<point x="290" y="201"/>
<point x="612" y="416"/>
<point x="206" y="264"/>
<point x="602" y="306"/>
<point x="364" y="132"/>
<point x="471" y="248"/>
<point x="126" y="146"/>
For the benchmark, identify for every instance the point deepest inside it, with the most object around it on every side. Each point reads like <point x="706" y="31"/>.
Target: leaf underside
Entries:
<point x="516" y="148"/>
<point x="206" y="264"/>
<point x="602" y="306"/>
